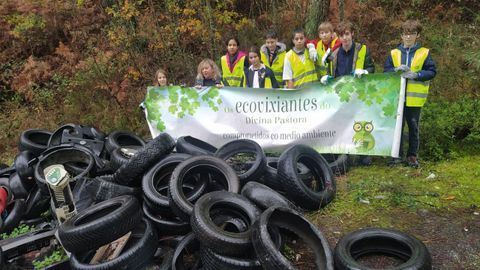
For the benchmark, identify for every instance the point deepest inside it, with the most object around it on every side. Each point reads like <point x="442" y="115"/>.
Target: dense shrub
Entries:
<point x="446" y="124"/>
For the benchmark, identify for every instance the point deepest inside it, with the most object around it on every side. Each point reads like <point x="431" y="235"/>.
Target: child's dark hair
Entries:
<point x="412" y="26"/>
<point x="271" y="34"/>
<point x="345" y="26"/>
<point x="298" y="31"/>
<point x="234" y="38"/>
<point x="254" y="49"/>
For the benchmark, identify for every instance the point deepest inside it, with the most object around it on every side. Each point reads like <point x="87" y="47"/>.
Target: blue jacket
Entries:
<point x="264" y="72"/>
<point x="428" y="71"/>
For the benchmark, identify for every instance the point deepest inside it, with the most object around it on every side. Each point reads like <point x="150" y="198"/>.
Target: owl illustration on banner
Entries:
<point x="363" y="138"/>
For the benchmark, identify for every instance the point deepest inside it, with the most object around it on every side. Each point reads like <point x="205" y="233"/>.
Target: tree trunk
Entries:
<point x="341" y="9"/>
<point x="317" y="13"/>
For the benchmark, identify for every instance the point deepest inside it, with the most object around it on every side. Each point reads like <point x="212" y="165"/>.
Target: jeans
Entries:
<point x="411" y="115"/>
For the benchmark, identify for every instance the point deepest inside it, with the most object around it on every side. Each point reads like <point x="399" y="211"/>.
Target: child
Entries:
<point x="208" y="74"/>
<point x="299" y="68"/>
<point x="418" y="68"/>
<point x="258" y="75"/>
<point x="160" y="78"/>
<point x="233" y="64"/>
<point x="325" y="46"/>
<point x="351" y="57"/>
<point x="273" y="55"/>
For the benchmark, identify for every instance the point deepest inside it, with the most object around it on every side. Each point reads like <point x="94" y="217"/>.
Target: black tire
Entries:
<point x="375" y="241"/>
<point x="18" y="189"/>
<point x="222" y="240"/>
<point x="338" y="163"/>
<point x="269" y="254"/>
<point x="178" y="201"/>
<point x="264" y="197"/>
<point x="188" y="246"/>
<point x="24" y="166"/>
<point x="322" y="188"/>
<point x="269" y="177"/>
<point x="56" y="137"/>
<point x="37" y="204"/>
<point x="103" y="188"/>
<point x="214" y="261"/>
<point x="165" y="225"/>
<point x="154" y="151"/>
<point x="137" y="253"/>
<point x="34" y="140"/>
<point x="156" y="181"/>
<point x="255" y="171"/>
<point x="122" y="155"/>
<point x="100" y="224"/>
<point x="117" y="139"/>
<point x="61" y="156"/>
<point x="195" y="147"/>
<point x="16" y="211"/>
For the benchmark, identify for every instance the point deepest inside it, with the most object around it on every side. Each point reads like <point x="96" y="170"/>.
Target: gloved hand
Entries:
<point x="325" y="58"/>
<point x="403" y="68"/>
<point x="312" y="52"/>
<point x="410" y="75"/>
<point x="326" y="79"/>
<point x="359" y="72"/>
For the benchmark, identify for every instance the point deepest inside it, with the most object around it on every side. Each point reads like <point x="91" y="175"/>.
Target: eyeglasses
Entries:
<point x="410" y="34"/>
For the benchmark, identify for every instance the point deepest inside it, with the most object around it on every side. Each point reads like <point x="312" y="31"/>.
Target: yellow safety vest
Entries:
<point x="276" y="67"/>
<point x="321" y="50"/>
<point x="417" y="91"/>
<point x="233" y="78"/>
<point x="358" y="58"/>
<point x="302" y="73"/>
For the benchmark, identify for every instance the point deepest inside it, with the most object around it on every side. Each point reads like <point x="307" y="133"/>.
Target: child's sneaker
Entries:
<point x="412" y="161"/>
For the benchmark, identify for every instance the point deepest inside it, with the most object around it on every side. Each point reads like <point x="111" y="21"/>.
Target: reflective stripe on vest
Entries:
<point x="302" y="73"/>
<point x="417" y="91"/>
<point x="232" y="78"/>
<point x="276" y="67"/>
<point x="358" y="58"/>
<point x="321" y="50"/>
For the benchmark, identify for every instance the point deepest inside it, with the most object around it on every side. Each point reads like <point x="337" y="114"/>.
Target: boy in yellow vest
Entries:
<point x="327" y="43"/>
<point x="299" y="64"/>
<point x="417" y="66"/>
<point x="273" y="55"/>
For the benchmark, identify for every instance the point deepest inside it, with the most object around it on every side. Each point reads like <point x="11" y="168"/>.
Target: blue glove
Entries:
<point x="410" y="75"/>
<point x="403" y="68"/>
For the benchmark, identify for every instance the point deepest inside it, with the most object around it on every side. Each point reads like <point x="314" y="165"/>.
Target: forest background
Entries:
<point x="89" y="62"/>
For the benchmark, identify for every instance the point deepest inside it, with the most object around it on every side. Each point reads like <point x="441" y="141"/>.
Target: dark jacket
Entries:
<point x="428" y="71"/>
<point x="347" y="65"/>
<point x="263" y="73"/>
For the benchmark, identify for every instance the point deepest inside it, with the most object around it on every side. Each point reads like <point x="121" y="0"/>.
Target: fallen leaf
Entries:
<point x="450" y="197"/>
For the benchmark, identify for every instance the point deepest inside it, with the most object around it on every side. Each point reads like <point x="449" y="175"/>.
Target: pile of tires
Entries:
<point x="183" y="204"/>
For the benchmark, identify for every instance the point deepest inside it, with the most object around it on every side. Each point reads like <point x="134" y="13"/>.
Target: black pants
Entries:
<point x="411" y="115"/>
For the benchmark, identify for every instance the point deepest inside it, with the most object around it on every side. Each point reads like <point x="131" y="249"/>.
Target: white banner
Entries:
<point x="350" y="115"/>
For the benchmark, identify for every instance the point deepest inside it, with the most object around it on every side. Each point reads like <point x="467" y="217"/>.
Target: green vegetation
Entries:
<point x="19" y="230"/>
<point x="380" y="196"/>
<point x="58" y="255"/>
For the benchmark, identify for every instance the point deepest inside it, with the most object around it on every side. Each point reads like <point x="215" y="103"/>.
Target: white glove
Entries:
<point x="403" y="68"/>
<point x="312" y="52"/>
<point x="325" y="57"/>
<point x="360" y="72"/>
<point x="326" y="79"/>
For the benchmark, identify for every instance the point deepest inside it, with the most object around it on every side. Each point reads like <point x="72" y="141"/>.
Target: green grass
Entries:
<point x="378" y="195"/>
